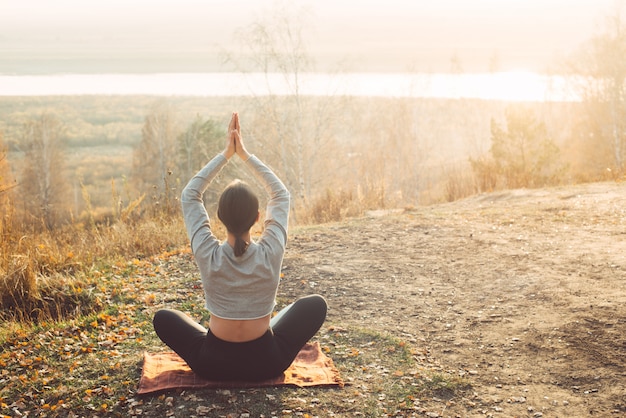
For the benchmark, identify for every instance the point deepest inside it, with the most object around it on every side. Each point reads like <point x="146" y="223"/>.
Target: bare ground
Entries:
<point x="521" y="292"/>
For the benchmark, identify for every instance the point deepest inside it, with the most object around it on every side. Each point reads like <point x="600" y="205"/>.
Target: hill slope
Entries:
<point x="505" y="304"/>
<point x="521" y="291"/>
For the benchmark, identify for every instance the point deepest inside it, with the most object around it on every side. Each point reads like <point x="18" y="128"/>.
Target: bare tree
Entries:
<point x="43" y="185"/>
<point x="600" y="75"/>
<point x="297" y="126"/>
<point x="201" y="140"/>
<point x="155" y="157"/>
<point x="390" y="152"/>
<point x="5" y="183"/>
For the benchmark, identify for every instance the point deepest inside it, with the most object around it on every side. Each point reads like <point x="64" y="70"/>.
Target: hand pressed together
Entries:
<point x="234" y="144"/>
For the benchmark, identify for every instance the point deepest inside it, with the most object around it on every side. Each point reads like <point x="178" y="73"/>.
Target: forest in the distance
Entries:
<point x="383" y="152"/>
<point x="393" y="152"/>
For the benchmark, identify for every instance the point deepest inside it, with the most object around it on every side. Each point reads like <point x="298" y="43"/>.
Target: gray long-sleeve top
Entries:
<point x="238" y="287"/>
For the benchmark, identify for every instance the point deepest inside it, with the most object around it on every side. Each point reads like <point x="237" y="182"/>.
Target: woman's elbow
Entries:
<point x="189" y="194"/>
<point x="286" y="197"/>
<point x="188" y="191"/>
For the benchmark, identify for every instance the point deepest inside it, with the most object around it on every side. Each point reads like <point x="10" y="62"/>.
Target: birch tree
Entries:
<point x="6" y="185"/>
<point x="294" y="127"/>
<point x="599" y="71"/>
<point x="198" y="144"/>
<point x="43" y="186"/>
<point x="5" y="172"/>
<point x="154" y="158"/>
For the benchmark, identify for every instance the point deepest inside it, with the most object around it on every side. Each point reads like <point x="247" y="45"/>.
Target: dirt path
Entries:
<point x="523" y="292"/>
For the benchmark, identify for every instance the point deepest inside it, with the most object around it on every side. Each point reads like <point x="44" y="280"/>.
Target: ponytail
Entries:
<point x="240" y="246"/>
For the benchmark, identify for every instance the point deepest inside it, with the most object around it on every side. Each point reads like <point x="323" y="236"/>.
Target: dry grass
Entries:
<point x="336" y="204"/>
<point x="44" y="274"/>
<point x="47" y="274"/>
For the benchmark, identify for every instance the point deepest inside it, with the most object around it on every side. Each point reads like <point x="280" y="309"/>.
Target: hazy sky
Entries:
<point x="389" y="35"/>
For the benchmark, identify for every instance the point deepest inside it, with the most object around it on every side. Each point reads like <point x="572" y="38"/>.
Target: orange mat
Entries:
<point x="163" y="371"/>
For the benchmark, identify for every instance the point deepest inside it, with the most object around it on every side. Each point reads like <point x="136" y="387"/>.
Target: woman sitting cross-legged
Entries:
<point x="240" y="278"/>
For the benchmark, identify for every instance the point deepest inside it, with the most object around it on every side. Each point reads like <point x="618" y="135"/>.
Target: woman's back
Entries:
<point x="238" y="287"/>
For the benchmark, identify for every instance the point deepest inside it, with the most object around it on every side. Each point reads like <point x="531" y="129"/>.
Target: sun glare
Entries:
<point x="505" y="86"/>
<point x="514" y="86"/>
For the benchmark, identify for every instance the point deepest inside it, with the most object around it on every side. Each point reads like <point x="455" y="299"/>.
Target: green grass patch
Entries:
<point x="91" y="364"/>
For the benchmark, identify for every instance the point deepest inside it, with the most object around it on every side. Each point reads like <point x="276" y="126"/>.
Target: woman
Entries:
<point x="240" y="278"/>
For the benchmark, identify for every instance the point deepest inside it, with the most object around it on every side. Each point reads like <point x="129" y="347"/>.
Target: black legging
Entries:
<point x="266" y="357"/>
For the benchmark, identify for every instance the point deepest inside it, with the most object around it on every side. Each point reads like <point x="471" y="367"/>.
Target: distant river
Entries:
<point x="511" y="86"/>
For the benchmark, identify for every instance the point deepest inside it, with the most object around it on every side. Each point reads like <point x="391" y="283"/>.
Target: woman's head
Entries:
<point x="238" y="209"/>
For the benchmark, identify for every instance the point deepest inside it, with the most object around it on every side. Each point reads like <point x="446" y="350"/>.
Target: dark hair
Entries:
<point x="238" y="209"/>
